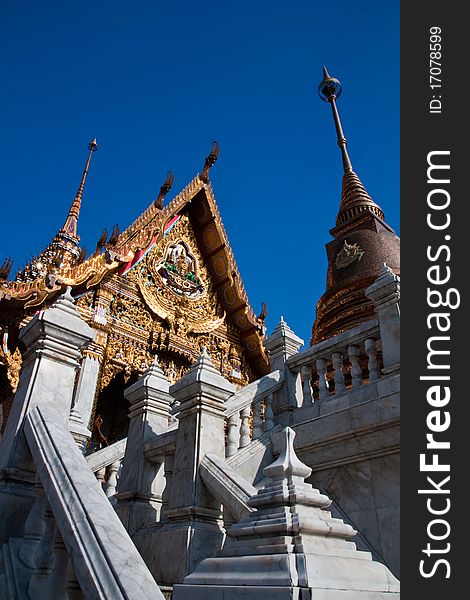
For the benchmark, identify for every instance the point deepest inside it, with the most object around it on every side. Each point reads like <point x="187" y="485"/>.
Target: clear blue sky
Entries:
<point x="156" y="82"/>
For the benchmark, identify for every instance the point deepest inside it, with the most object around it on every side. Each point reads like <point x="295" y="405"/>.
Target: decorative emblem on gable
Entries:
<point x="175" y="285"/>
<point x="348" y="255"/>
<point x="178" y="271"/>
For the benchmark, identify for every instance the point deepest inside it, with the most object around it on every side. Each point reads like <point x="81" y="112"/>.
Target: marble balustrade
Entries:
<point x="249" y="413"/>
<point x="337" y="365"/>
<point x="106" y="464"/>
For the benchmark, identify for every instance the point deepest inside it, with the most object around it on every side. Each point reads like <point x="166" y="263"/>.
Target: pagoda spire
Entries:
<point x="329" y="90"/>
<point x="354" y="197"/>
<point x="362" y="243"/>
<point x="70" y="225"/>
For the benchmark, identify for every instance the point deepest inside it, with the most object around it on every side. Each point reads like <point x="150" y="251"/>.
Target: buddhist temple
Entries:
<point x="156" y="442"/>
<point x="167" y="286"/>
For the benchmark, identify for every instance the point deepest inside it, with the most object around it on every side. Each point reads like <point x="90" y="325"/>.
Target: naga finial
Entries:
<point x="210" y="160"/>
<point x="5" y="268"/>
<point x="164" y="190"/>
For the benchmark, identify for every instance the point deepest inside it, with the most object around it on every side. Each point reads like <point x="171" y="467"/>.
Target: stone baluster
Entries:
<point x="356" y="371"/>
<point x="245" y="427"/>
<point x="306" y="373"/>
<point x="232" y="435"/>
<point x="100" y="476"/>
<point x="337" y="360"/>
<point x="44" y="559"/>
<point x="268" y="413"/>
<point x="34" y="526"/>
<point x="72" y="587"/>
<point x="257" y="420"/>
<point x="323" y="389"/>
<point x="168" y="469"/>
<point x="58" y="579"/>
<point x="373" y="366"/>
<point x="112" y="482"/>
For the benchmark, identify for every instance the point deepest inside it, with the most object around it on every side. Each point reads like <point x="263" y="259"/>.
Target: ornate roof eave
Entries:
<point x="147" y="229"/>
<point x="137" y="236"/>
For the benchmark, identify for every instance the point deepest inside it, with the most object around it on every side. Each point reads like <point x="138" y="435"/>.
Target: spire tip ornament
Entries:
<point x="330" y="88"/>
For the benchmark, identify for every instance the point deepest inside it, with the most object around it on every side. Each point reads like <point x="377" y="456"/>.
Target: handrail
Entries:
<point x="227" y="486"/>
<point x="252" y="392"/>
<point x="104" y="558"/>
<point x="106" y="456"/>
<point x="327" y="347"/>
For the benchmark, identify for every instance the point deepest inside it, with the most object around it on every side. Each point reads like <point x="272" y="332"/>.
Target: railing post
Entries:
<point x="168" y="466"/>
<point x="372" y="365"/>
<point x="323" y="389"/>
<point x="245" y="427"/>
<point x="58" y="577"/>
<point x="100" y="476"/>
<point x="34" y="525"/>
<point x="232" y="435"/>
<point x="141" y="484"/>
<point x="194" y="526"/>
<point x="257" y="420"/>
<point x="53" y="339"/>
<point x="282" y="344"/>
<point x="385" y="293"/>
<point x="111" y="484"/>
<point x="306" y="372"/>
<point x="356" y="372"/>
<point x="268" y="413"/>
<point x="72" y="587"/>
<point x="337" y="360"/>
<point x="44" y="559"/>
<point x="85" y="394"/>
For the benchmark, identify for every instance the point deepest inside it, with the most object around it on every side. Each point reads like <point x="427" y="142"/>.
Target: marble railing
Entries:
<point x="227" y="485"/>
<point x="339" y="364"/>
<point x="253" y="402"/>
<point x="106" y="465"/>
<point x="76" y="523"/>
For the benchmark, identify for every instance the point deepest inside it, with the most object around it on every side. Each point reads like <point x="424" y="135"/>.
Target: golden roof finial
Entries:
<point x="70" y="226"/>
<point x="164" y="190"/>
<point x="5" y="268"/>
<point x="210" y="160"/>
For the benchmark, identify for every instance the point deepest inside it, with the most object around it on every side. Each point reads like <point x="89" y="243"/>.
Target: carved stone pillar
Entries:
<point x="385" y="293"/>
<point x="53" y="340"/>
<point x="141" y="483"/>
<point x="85" y="394"/>
<point x="194" y="527"/>
<point x="282" y="344"/>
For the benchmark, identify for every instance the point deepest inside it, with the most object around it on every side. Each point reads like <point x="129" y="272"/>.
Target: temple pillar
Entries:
<point x="85" y="395"/>
<point x="53" y="341"/>
<point x="282" y="344"/>
<point x="194" y="527"/>
<point x="142" y="482"/>
<point x="385" y="293"/>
